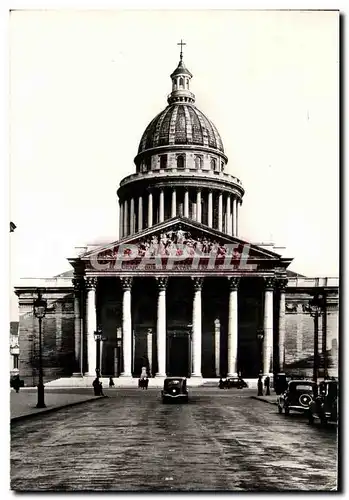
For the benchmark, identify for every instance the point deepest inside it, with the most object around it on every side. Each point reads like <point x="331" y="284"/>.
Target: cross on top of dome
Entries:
<point x="181" y="43"/>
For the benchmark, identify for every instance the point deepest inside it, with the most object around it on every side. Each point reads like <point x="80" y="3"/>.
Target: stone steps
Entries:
<point x="129" y="382"/>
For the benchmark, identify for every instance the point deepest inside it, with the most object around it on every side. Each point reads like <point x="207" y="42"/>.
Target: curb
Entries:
<point x="54" y="408"/>
<point x="259" y="398"/>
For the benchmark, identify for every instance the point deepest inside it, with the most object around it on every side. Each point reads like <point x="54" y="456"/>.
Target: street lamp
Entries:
<point x="40" y="305"/>
<point x="260" y="337"/>
<point x="98" y="337"/>
<point x="190" y="347"/>
<point x="314" y="308"/>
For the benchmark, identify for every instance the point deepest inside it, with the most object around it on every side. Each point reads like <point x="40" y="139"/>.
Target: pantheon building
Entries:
<point x="178" y="291"/>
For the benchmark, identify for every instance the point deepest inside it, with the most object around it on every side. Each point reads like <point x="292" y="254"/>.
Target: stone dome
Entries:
<point x="180" y="123"/>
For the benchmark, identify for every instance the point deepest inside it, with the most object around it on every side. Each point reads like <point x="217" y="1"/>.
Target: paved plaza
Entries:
<point x="130" y="441"/>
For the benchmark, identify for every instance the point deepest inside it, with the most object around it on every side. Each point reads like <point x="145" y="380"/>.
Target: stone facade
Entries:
<point x="178" y="291"/>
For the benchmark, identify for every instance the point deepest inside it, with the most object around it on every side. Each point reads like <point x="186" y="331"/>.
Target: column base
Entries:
<point x="160" y="375"/>
<point x="195" y="375"/>
<point x="123" y="375"/>
<point x="77" y="374"/>
<point x="232" y="374"/>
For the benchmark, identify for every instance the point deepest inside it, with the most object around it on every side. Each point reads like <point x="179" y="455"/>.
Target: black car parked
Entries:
<point x="231" y="382"/>
<point x="325" y="405"/>
<point x="298" y="396"/>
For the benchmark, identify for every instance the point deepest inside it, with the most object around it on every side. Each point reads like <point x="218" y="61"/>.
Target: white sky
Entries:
<point x="85" y="84"/>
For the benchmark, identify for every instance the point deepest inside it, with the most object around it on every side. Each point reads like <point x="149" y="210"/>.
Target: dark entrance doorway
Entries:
<point x="178" y="354"/>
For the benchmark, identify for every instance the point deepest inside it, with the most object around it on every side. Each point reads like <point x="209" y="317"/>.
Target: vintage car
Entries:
<point x="175" y="388"/>
<point x="298" y="396"/>
<point x="230" y="382"/>
<point x="325" y="405"/>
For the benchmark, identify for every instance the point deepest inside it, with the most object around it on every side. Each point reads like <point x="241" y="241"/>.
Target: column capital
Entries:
<point x="78" y="284"/>
<point x="90" y="283"/>
<point x="162" y="283"/>
<point x="233" y="283"/>
<point x="198" y="282"/>
<point x="269" y="283"/>
<point x="126" y="283"/>
<point x="281" y="283"/>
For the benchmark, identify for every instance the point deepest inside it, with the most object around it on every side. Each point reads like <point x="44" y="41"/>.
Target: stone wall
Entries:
<point x="57" y="338"/>
<point x="299" y="342"/>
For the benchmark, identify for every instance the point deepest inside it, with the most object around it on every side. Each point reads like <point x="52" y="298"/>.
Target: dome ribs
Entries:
<point x="188" y="125"/>
<point x="180" y="131"/>
<point x="196" y="128"/>
<point x="180" y="124"/>
<point x="159" y="123"/>
<point x="218" y="138"/>
<point x="201" y="119"/>
<point x="211" y="135"/>
<point x="165" y="128"/>
<point x="173" y="125"/>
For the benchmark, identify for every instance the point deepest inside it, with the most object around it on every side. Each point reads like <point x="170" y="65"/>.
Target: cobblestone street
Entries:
<point x="221" y="440"/>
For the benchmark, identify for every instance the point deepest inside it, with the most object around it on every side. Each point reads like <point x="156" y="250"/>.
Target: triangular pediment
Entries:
<point x="180" y="230"/>
<point x="180" y="241"/>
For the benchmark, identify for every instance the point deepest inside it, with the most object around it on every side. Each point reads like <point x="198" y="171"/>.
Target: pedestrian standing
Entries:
<point x="260" y="386"/>
<point x="267" y="385"/>
<point x="111" y="382"/>
<point x="16" y="383"/>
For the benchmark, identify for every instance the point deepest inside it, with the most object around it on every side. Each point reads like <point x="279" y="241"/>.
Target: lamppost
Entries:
<point x="40" y="305"/>
<point x="190" y="347"/>
<point x="98" y="338"/>
<point x="260" y="337"/>
<point x="314" y="308"/>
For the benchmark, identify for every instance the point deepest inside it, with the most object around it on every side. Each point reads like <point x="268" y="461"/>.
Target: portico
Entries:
<point x="168" y="318"/>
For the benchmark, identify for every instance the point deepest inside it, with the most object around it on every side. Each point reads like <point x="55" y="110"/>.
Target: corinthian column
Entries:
<point x="210" y="210"/>
<point x="126" y="226"/>
<point x="150" y="350"/>
<point x="140" y="213"/>
<point x="220" y="212"/>
<point x="150" y="209"/>
<point x="126" y="284"/>
<point x="233" y="327"/>
<point x="237" y="218"/>
<point x="233" y="216"/>
<point x="78" y="288"/>
<point x="198" y="205"/>
<point x="132" y="216"/>
<point x="268" y="327"/>
<point x="282" y="323"/>
<point x="174" y="204"/>
<point x="217" y="343"/>
<point x="91" y="315"/>
<point x="228" y="225"/>
<point x="121" y="219"/>
<point x="161" y="206"/>
<point x="161" y="327"/>
<point x="186" y="203"/>
<point x="197" y="327"/>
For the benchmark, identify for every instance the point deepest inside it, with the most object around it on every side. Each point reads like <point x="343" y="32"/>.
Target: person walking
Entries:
<point x="260" y="386"/>
<point x="16" y="384"/>
<point x="111" y="382"/>
<point x="267" y="385"/>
